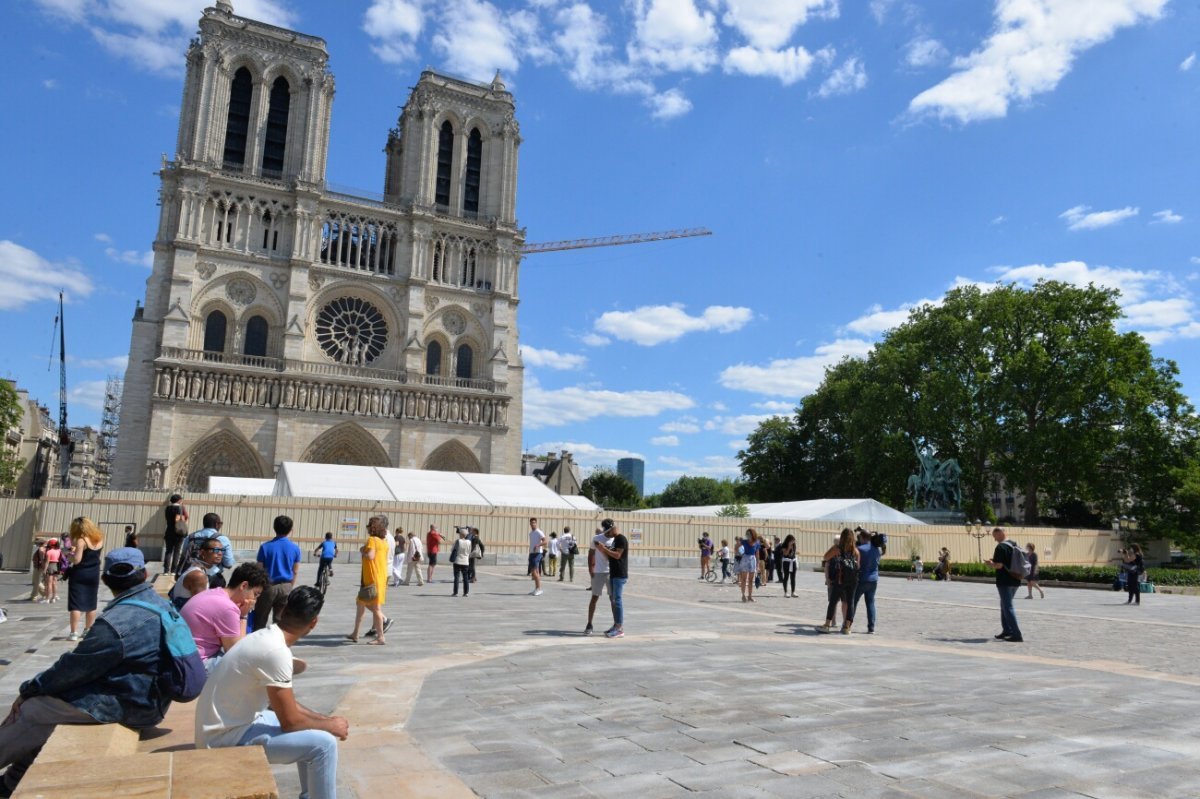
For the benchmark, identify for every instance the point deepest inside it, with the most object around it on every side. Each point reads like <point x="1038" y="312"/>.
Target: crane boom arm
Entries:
<point x="612" y="241"/>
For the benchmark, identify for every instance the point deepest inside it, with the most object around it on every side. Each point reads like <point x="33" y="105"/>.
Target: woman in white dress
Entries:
<point x="398" y="553"/>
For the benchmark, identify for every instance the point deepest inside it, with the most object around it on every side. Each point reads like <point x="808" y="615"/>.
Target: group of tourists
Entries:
<point x="76" y="560"/>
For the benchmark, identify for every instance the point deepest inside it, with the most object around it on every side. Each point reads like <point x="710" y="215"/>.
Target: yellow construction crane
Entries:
<point x="613" y="241"/>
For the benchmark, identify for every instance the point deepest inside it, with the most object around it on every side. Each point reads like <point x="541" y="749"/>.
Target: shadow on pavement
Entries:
<point x="964" y="640"/>
<point x="555" y="633"/>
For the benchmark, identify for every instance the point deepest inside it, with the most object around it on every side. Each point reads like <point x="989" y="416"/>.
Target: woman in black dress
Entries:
<point x="83" y="582"/>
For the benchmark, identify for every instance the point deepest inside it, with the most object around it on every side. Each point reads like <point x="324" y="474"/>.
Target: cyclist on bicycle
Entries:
<point x="327" y="551"/>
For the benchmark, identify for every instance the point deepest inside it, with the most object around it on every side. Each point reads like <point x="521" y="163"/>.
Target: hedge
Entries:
<point x="1049" y="573"/>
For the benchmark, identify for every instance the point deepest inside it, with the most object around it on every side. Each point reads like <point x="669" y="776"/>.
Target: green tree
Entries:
<point x="736" y="510"/>
<point x="10" y="418"/>
<point x="1187" y="506"/>
<point x="688" y="491"/>
<point x="609" y="489"/>
<point x="1033" y="386"/>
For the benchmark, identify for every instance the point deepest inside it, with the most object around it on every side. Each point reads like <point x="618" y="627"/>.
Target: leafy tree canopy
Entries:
<point x="609" y="489"/>
<point x="688" y="491"/>
<point x="1035" y="387"/>
<point x="10" y="418"/>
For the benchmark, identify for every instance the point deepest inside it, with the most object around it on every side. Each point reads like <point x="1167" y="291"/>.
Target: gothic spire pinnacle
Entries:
<point x="225" y="5"/>
<point x="498" y="83"/>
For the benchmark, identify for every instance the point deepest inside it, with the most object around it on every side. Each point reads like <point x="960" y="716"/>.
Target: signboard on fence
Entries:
<point x="635" y="536"/>
<point x="350" y="526"/>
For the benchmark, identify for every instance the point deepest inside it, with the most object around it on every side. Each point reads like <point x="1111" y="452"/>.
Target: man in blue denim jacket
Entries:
<point x="111" y="677"/>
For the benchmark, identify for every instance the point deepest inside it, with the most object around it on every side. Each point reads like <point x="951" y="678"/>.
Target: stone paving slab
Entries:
<point x="502" y="695"/>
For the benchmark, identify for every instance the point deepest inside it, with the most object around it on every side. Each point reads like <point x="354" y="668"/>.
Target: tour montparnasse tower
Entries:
<point x="286" y="321"/>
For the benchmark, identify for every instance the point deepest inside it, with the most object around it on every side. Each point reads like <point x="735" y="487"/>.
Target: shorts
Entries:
<point x="535" y="559"/>
<point x="599" y="583"/>
<point x="432" y="558"/>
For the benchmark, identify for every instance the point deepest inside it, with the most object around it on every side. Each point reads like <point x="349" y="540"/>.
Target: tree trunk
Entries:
<point x="1032" y="516"/>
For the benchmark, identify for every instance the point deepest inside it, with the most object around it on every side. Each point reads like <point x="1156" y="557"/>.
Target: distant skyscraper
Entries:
<point x="633" y="470"/>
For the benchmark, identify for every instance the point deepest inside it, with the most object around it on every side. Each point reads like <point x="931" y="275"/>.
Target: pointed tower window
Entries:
<point x="474" y="164"/>
<point x="238" y="123"/>
<point x="277" y="122"/>
<point x="256" y="337"/>
<point x="214" y="332"/>
<point x="445" y="155"/>
<point x="433" y="358"/>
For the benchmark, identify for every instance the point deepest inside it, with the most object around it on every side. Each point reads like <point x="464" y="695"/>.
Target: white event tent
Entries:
<point x="848" y="511"/>
<point x="331" y="481"/>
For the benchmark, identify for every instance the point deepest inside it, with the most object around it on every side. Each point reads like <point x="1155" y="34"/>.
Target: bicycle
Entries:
<point x="323" y="573"/>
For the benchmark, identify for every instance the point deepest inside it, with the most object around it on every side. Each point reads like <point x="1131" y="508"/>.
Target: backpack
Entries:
<point x="1018" y="565"/>
<point x="573" y="550"/>
<point x="191" y="550"/>
<point x="184" y="677"/>
<point x="845" y="568"/>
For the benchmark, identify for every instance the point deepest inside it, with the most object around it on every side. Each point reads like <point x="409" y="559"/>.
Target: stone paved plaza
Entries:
<point x="500" y="695"/>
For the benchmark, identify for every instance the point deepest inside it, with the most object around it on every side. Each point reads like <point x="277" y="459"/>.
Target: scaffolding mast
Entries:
<point x="613" y="241"/>
<point x="109" y="427"/>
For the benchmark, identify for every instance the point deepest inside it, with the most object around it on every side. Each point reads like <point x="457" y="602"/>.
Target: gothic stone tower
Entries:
<point x="286" y="321"/>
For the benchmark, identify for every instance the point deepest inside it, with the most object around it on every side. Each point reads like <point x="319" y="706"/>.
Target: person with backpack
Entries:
<point x="842" y="565"/>
<point x="124" y="671"/>
<point x="568" y="549"/>
<point x="204" y="538"/>
<point x="176" y="516"/>
<point x="1012" y="567"/>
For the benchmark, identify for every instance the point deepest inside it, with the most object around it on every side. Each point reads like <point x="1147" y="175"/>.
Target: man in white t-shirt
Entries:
<point x="248" y="701"/>
<point x="537" y="545"/>
<point x="415" y="554"/>
<point x="598" y="569"/>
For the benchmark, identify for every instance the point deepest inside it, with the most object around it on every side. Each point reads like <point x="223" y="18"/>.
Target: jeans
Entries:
<point x="23" y="738"/>
<point x="464" y="571"/>
<point x="866" y="589"/>
<point x="1008" y="614"/>
<point x="787" y="574"/>
<point x="616" y="587"/>
<point x="315" y="753"/>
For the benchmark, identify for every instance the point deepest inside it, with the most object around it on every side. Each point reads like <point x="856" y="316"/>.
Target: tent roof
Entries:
<point x="824" y="510"/>
<point x="331" y="481"/>
<point x="246" y="486"/>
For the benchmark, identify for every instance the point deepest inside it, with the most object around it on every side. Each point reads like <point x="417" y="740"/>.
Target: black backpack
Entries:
<point x="845" y="568"/>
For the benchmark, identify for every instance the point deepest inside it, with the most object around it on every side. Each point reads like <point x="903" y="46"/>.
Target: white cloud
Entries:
<point x="88" y="393"/>
<point x="737" y="425"/>
<point x="879" y="9"/>
<point x="551" y="408"/>
<point x="673" y="35"/>
<point x="1187" y="63"/>
<point x="394" y="25"/>
<point x="665" y="441"/>
<point x="788" y="65"/>
<point x="1195" y="259"/>
<point x="1000" y="220"/>
<point x="475" y="39"/>
<point x="655" y="324"/>
<point x="792" y="377"/>
<point x="104" y="238"/>
<point x="924" y="51"/>
<point x="1032" y="46"/>
<point x="1133" y="284"/>
<point x="152" y="33"/>
<point x="737" y="444"/>
<point x="134" y="257"/>
<point x="769" y="24"/>
<point x="709" y="466"/>
<point x="586" y="455"/>
<point x="551" y="359"/>
<point x="877" y="320"/>
<point x="593" y="340"/>
<point x="848" y="78"/>
<point x="50" y="83"/>
<point x="684" y="424"/>
<point x="718" y="406"/>
<point x="775" y="406"/>
<point x="669" y="104"/>
<point x="1160" y="313"/>
<point x="27" y="277"/>
<point x="1081" y="217"/>
<point x="1166" y="217"/>
<point x="113" y="364"/>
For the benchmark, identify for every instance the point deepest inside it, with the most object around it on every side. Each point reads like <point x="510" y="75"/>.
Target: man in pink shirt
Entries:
<point x="217" y="617"/>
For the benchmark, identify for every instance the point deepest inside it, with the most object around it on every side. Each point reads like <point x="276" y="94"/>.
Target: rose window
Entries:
<point x="351" y="331"/>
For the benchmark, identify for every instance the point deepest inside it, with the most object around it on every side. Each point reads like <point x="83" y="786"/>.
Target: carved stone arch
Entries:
<point x="472" y="330"/>
<point x="445" y="115"/>
<point x="285" y="70"/>
<point x="453" y="456"/>
<point x="477" y="122"/>
<point x="236" y="61"/>
<point x="444" y="362"/>
<point x="224" y="452"/>
<point x="347" y="444"/>
<point x="201" y="310"/>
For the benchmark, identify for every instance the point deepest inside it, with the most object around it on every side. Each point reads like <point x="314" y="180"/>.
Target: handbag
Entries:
<point x="368" y="593"/>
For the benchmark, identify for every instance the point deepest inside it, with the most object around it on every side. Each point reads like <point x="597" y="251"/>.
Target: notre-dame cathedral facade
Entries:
<point x="285" y="321"/>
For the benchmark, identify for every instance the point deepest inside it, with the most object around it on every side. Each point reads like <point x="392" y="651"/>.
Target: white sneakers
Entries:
<point x="536" y="592"/>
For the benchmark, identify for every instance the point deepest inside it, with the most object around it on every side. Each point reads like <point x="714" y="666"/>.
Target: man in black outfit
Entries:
<point x="1007" y="585"/>
<point x="618" y="574"/>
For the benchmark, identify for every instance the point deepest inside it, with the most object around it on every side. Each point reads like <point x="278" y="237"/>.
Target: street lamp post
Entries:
<point x="975" y="530"/>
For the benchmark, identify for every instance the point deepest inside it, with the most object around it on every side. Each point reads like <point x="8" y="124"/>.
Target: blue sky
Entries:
<point x="853" y="159"/>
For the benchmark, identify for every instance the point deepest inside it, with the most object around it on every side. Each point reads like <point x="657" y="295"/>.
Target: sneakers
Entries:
<point x="587" y="630"/>
<point x="615" y="634"/>
<point x="73" y="637"/>
<point x="536" y="592"/>
<point x="1000" y="636"/>
<point x="387" y="625"/>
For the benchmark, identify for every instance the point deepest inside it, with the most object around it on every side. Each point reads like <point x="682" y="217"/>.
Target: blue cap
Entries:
<point x="124" y="561"/>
